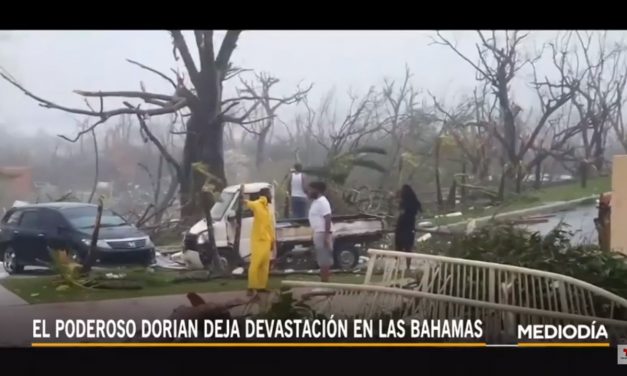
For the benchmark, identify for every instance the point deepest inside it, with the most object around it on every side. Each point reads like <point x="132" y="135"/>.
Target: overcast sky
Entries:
<point x="53" y="63"/>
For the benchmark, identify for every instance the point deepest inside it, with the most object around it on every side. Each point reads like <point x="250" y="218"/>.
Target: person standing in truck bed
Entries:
<point x="298" y="196"/>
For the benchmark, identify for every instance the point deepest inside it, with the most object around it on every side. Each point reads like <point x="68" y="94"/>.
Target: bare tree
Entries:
<point x="554" y="142"/>
<point x="598" y="99"/>
<point x="300" y="131"/>
<point x="344" y="141"/>
<point x="552" y="96"/>
<point x="96" y="165"/>
<point x="499" y="62"/>
<point x="471" y="124"/>
<point x="358" y="125"/>
<point x="398" y="108"/>
<point x="207" y="111"/>
<point x="263" y="125"/>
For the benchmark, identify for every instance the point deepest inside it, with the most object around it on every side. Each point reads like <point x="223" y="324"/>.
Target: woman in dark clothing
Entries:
<point x="405" y="234"/>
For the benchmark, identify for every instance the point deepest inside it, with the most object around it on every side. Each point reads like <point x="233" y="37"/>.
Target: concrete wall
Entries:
<point x="618" y="238"/>
<point x="17" y="184"/>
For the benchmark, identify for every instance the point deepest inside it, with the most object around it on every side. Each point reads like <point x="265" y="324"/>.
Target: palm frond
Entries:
<point x="318" y="171"/>
<point x="369" y="150"/>
<point x="367" y="163"/>
<point x="211" y="181"/>
<point x="203" y="169"/>
<point x="410" y="158"/>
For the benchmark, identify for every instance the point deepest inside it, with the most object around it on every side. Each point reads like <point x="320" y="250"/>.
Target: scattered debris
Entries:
<point x="115" y="276"/>
<point x="450" y="215"/>
<point x="174" y="261"/>
<point x="530" y="221"/>
<point x="541" y="216"/>
<point x="471" y="226"/>
<point x="18" y="204"/>
<point x="207" y="310"/>
<point x="167" y="250"/>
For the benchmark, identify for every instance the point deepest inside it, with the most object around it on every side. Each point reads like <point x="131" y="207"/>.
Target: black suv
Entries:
<point x="28" y="233"/>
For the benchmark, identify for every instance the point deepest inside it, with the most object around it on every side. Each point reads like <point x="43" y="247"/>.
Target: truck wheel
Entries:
<point x="345" y="256"/>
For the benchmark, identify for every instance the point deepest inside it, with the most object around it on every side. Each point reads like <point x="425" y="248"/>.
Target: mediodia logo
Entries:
<point x="622" y="354"/>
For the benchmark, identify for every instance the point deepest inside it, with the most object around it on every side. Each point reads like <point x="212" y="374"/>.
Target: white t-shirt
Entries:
<point x="297" y="185"/>
<point x="318" y="209"/>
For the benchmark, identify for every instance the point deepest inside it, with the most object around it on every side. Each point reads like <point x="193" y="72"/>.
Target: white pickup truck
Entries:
<point x="293" y="236"/>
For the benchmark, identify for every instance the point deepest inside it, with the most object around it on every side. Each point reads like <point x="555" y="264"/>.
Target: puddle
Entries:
<point x="580" y="221"/>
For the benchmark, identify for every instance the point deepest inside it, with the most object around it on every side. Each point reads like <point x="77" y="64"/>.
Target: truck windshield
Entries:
<point x="221" y="205"/>
<point x="85" y="217"/>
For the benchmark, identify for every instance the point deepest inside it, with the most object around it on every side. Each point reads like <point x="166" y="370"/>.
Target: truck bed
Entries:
<point x="295" y="230"/>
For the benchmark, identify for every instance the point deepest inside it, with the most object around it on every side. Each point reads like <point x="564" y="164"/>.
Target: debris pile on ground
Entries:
<point x="115" y="276"/>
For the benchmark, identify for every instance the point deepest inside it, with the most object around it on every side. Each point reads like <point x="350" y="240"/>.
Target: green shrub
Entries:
<point x="505" y="243"/>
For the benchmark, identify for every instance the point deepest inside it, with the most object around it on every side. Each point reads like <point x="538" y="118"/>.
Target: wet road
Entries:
<point x="579" y="221"/>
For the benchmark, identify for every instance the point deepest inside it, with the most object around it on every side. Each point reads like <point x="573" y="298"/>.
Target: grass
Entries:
<point x="573" y="191"/>
<point x="37" y="290"/>
<point x="532" y="198"/>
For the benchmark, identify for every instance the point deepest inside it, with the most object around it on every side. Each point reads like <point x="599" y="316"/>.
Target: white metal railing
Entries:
<point x="500" y="320"/>
<point x="439" y="287"/>
<point x="495" y="283"/>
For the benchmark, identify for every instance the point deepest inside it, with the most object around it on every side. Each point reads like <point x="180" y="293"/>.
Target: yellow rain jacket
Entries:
<point x="261" y="241"/>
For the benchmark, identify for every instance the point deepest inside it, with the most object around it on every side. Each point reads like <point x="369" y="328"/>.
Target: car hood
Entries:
<point x="119" y="232"/>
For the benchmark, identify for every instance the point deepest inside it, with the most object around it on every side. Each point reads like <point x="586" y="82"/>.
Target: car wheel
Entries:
<point x="346" y="257"/>
<point x="9" y="262"/>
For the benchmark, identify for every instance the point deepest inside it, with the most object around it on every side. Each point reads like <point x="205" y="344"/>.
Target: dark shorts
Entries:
<point x="299" y="207"/>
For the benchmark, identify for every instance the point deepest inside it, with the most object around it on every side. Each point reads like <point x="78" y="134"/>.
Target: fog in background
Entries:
<point x="52" y="64"/>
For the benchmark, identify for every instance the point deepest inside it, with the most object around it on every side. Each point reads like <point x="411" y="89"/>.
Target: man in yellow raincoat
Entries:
<point x="261" y="241"/>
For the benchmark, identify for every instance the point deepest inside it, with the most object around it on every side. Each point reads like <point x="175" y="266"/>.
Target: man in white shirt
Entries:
<point x="320" y="222"/>
<point x="298" y="197"/>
